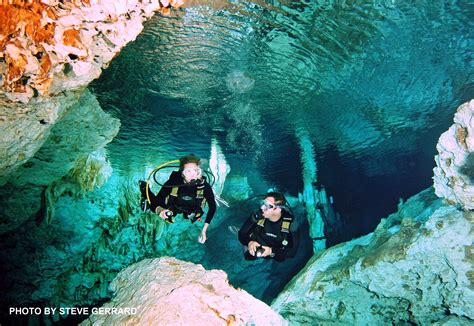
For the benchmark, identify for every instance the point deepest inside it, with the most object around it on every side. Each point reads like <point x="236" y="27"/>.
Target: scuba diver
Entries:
<point x="185" y="192"/>
<point x="270" y="232"/>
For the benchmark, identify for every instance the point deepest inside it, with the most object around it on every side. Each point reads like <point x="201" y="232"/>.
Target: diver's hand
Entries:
<point x="163" y="213"/>
<point x="159" y="210"/>
<point x="202" y="237"/>
<point x="253" y="245"/>
<point x="268" y="251"/>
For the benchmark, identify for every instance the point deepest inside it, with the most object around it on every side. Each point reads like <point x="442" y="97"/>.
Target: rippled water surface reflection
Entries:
<point x="374" y="85"/>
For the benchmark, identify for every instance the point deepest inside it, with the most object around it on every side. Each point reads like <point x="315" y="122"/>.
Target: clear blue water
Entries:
<point x="373" y="84"/>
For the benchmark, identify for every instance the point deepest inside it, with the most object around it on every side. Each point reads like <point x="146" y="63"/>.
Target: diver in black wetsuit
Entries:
<point x="185" y="192"/>
<point x="271" y="231"/>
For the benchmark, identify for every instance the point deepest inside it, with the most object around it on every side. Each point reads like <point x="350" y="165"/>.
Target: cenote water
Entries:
<point x="372" y="86"/>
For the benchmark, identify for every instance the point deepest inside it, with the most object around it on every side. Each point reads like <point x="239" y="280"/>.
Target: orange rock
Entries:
<point x="461" y="135"/>
<point x="14" y="73"/>
<point x="42" y="85"/>
<point x="45" y="64"/>
<point x="45" y="34"/>
<point x="177" y="3"/>
<point x="12" y="16"/>
<point x="16" y="67"/>
<point x="52" y="13"/>
<point x="25" y="25"/>
<point x="18" y="87"/>
<point x="165" y="11"/>
<point x="70" y="37"/>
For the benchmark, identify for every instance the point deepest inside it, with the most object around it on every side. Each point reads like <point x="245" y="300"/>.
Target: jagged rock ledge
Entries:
<point x="50" y="46"/>
<point x="454" y="174"/>
<point x="168" y="291"/>
<point x="416" y="268"/>
<point x="72" y="159"/>
<point x="49" y="52"/>
<point x="418" y="265"/>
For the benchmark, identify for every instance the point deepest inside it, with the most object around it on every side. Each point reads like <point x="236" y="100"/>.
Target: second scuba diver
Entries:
<point x="185" y="192"/>
<point x="271" y="231"/>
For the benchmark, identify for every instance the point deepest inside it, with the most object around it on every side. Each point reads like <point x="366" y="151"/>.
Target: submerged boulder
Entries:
<point x="167" y="291"/>
<point x="417" y="267"/>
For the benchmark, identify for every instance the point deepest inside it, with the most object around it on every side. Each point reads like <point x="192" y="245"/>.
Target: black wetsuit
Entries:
<point x="186" y="201"/>
<point x="269" y="235"/>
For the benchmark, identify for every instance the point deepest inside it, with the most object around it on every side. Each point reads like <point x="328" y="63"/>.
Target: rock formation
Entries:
<point x="71" y="162"/>
<point x="167" y="291"/>
<point x="417" y="267"/>
<point x="49" y="51"/>
<point x="66" y="150"/>
<point x="50" y="46"/>
<point x="53" y="134"/>
<point x="454" y="173"/>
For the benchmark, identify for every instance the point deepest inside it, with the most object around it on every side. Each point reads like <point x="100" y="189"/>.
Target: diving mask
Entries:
<point x="266" y="205"/>
<point x="192" y="173"/>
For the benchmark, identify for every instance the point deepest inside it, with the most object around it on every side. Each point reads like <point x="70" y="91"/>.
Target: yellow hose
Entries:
<point x="151" y="173"/>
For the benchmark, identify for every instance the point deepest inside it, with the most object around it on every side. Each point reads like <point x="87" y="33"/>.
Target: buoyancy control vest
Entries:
<point x="286" y="221"/>
<point x="187" y="197"/>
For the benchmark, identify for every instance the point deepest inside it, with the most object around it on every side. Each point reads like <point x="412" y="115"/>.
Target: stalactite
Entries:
<point x="92" y="170"/>
<point x="219" y="167"/>
<point x="308" y="160"/>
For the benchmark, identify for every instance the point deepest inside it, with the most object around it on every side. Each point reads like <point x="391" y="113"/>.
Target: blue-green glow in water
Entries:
<point x="371" y="85"/>
<point x="374" y="85"/>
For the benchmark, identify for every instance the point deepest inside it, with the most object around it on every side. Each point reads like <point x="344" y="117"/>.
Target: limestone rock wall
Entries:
<point x="49" y="46"/>
<point x="71" y="162"/>
<point x="49" y="51"/>
<point x="417" y="267"/>
<point x="25" y="128"/>
<point x="167" y="291"/>
<point x="90" y="238"/>
<point x="454" y="173"/>
<point x="62" y="164"/>
<point x="83" y="129"/>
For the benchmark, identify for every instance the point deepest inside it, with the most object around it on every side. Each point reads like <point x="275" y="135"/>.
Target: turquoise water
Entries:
<point x="374" y="84"/>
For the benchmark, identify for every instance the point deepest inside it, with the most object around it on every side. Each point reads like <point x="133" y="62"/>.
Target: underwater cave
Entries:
<point x="339" y="105"/>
